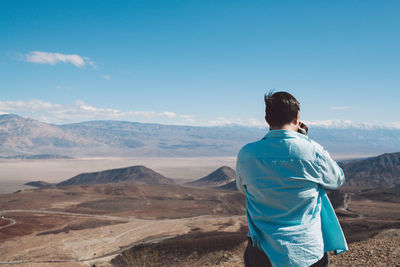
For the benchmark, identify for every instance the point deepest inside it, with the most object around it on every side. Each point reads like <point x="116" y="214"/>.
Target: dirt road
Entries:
<point x="10" y="222"/>
<point x="354" y="215"/>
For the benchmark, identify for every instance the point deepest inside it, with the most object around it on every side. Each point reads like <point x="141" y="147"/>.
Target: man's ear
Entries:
<point x="296" y="120"/>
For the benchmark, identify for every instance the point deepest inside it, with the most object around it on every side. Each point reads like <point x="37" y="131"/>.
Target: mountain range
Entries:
<point x="27" y="138"/>
<point x="382" y="171"/>
<point x="376" y="172"/>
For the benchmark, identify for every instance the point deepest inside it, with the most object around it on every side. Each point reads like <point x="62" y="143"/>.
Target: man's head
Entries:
<point x="281" y="108"/>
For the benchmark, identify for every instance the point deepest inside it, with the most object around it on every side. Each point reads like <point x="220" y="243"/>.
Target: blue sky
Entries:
<point x="199" y="62"/>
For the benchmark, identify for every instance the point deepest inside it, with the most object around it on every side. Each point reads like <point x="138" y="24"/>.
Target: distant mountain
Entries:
<point x="132" y="175"/>
<point x="377" y="172"/>
<point x="18" y="135"/>
<point x="355" y="141"/>
<point x="40" y="184"/>
<point x="39" y="156"/>
<point x="219" y="177"/>
<point x="24" y="137"/>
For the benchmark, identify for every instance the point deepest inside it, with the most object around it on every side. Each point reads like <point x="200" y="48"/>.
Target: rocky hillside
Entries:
<point x="226" y="250"/>
<point x="18" y="135"/>
<point x="377" y="172"/>
<point x="219" y="177"/>
<point x="133" y="175"/>
<point x="229" y="186"/>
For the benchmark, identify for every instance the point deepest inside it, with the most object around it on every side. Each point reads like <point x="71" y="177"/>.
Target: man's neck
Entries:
<point x="291" y="127"/>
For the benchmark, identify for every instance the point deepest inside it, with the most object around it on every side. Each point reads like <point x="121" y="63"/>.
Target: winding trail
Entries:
<point x="346" y="201"/>
<point x="54" y="212"/>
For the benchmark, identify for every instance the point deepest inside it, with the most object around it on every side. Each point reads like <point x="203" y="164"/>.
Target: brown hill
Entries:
<point x="222" y="176"/>
<point x="377" y="172"/>
<point x="40" y="184"/>
<point x="229" y="186"/>
<point x="133" y="175"/>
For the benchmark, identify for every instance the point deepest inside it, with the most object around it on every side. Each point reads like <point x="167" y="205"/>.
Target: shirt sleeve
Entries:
<point x="331" y="174"/>
<point x="239" y="174"/>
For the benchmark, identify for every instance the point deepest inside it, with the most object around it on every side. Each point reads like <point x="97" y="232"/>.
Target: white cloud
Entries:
<point x="341" y="107"/>
<point x="81" y="110"/>
<point x="168" y="114"/>
<point x="343" y="124"/>
<point x="54" y="58"/>
<point x="146" y="114"/>
<point x="256" y="122"/>
<point x="188" y="118"/>
<point x="338" y="124"/>
<point x="32" y="105"/>
<point x="220" y="121"/>
<point x="107" y="77"/>
<point x="392" y="125"/>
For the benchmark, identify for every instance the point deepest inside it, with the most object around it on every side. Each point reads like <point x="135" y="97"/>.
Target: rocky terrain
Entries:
<point x="382" y="250"/>
<point x="116" y="223"/>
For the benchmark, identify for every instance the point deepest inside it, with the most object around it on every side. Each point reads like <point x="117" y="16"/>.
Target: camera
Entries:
<point x="303" y="129"/>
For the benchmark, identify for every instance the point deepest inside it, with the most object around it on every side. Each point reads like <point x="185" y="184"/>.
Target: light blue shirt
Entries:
<point x="289" y="214"/>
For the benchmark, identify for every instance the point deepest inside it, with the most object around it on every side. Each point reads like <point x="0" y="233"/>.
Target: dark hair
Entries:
<point x="280" y="108"/>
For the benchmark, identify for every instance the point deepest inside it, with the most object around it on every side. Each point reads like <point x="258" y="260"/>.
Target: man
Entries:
<point x="291" y="221"/>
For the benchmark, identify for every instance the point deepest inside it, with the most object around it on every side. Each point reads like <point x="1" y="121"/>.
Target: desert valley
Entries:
<point x="167" y="209"/>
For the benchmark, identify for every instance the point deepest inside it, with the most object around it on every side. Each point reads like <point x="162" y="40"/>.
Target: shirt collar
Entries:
<point x="283" y="134"/>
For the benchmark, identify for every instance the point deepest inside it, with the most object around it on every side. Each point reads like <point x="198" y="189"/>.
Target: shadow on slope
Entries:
<point x="176" y="251"/>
